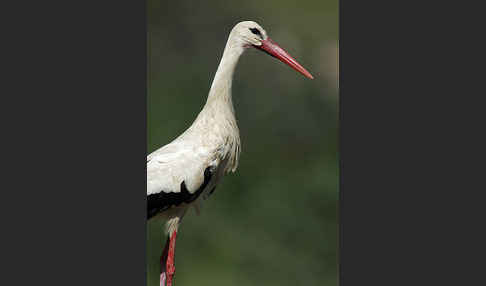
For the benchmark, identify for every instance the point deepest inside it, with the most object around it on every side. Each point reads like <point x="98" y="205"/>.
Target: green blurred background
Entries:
<point x="273" y="222"/>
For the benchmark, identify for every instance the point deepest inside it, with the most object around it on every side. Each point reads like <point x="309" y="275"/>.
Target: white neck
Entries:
<point x="221" y="87"/>
<point x="218" y="109"/>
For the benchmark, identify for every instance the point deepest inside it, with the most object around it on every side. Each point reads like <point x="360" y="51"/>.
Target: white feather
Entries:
<point x="213" y="139"/>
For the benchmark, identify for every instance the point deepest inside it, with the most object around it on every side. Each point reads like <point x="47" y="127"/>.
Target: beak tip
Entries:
<point x="308" y="75"/>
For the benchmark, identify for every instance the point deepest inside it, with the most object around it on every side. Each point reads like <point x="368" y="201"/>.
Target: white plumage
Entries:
<point x="183" y="172"/>
<point x="213" y="137"/>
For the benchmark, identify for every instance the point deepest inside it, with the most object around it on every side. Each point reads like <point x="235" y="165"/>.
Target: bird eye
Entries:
<point x="255" y="31"/>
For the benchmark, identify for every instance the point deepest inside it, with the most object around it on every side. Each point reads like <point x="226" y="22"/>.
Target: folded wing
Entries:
<point x="177" y="173"/>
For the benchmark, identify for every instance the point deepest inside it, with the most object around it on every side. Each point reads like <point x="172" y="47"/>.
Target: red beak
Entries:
<point x="271" y="48"/>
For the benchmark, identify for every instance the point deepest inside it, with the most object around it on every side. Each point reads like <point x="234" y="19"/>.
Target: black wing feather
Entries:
<point x="162" y="201"/>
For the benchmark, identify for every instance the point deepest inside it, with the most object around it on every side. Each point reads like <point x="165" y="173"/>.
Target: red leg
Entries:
<point x="170" y="266"/>
<point x="163" y="260"/>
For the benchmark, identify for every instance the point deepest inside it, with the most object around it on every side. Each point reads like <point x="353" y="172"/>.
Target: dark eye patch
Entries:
<point x="256" y="31"/>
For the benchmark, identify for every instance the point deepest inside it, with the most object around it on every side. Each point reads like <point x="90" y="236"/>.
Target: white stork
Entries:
<point x="187" y="170"/>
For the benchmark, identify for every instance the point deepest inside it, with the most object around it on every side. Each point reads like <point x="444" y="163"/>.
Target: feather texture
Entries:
<point x="177" y="172"/>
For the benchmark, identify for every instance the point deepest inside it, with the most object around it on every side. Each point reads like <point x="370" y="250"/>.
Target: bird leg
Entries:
<point x="167" y="261"/>
<point x="170" y="265"/>
<point x="163" y="260"/>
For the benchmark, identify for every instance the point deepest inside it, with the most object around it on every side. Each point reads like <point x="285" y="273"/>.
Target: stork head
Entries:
<point x="249" y="34"/>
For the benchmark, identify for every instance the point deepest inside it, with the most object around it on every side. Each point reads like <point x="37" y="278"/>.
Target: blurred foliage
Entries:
<point x="273" y="222"/>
